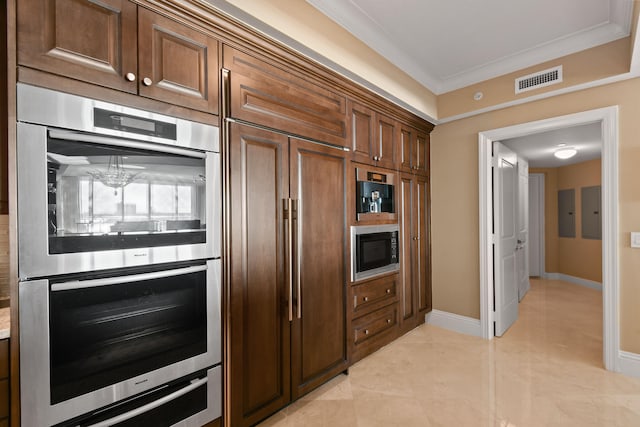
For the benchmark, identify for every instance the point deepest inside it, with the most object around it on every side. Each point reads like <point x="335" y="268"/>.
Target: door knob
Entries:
<point x="147" y="81"/>
<point x="130" y="77"/>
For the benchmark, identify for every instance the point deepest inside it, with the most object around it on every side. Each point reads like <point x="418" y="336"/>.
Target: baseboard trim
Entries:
<point x="629" y="363"/>
<point x="454" y="322"/>
<point x="575" y="280"/>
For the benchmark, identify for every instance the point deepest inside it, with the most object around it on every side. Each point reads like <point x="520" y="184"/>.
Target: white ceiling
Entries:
<point x="538" y="148"/>
<point x="446" y="45"/>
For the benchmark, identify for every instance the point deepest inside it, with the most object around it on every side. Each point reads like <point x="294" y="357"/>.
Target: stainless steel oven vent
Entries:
<point x="539" y="79"/>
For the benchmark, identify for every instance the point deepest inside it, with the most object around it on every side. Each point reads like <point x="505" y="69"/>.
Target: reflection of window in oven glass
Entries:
<point x="163" y="201"/>
<point x="136" y="201"/>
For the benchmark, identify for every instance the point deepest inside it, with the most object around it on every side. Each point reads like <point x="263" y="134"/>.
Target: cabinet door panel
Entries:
<point x="318" y="182"/>
<point x="408" y="304"/>
<point x="259" y="327"/>
<point x="181" y="63"/>
<point x="406" y="145"/>
<point x="93" y="41"/>
<point x="423" y="261"/>
<point x="269" y="95"/>
<point x="386" y="149"/>
<point x="421" y="153"/>
<point x="361" y="132"/>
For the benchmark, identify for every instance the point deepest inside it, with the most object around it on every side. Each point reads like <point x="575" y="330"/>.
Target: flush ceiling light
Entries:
<point x="565" y="153"/>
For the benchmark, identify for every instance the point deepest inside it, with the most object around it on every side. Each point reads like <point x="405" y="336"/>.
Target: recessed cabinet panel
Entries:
<point x="566" y="213"/>
<point x="177" y="64"/>
<point x="591" y="212"/>
<point x="90" y="41"/>
<point x="273" y="96"/>
<point x="385" y="143"/>
<point x="361" y="132"/>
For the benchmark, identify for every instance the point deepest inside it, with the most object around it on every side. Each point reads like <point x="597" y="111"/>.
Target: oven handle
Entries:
<point x="128" y="143"/>
<point x="149" y="406"/>
<point x="93" y="283"/>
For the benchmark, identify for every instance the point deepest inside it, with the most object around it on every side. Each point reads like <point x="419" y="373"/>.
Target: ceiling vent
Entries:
<point x="540" y="79"/>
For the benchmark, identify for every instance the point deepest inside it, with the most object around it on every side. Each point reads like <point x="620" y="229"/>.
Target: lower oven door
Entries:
<point x="92" y="342"/>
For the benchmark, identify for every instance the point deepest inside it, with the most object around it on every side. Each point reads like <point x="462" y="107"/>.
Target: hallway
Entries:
<point x="545" y="371"/>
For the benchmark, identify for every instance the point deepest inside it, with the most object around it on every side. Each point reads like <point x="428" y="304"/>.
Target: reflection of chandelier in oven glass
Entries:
<point x="115" y="176"/>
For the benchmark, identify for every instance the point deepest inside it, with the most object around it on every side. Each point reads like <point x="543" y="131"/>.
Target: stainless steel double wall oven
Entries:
<point x="119" y="224"/>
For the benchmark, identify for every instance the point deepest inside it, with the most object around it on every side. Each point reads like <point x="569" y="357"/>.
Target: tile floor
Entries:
<point x="545" y="371"/>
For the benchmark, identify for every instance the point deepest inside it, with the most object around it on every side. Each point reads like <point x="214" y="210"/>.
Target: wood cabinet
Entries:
<point x="373" y="138"/>
<point x="374" y="315"/>
<point x="413" y="150"/>
<point x="287" y="234"/>
<point x="4" y="382"/>
<point x="116" y="44"/>
<point x="415" y="260"/>
<point x="270" y="95"/>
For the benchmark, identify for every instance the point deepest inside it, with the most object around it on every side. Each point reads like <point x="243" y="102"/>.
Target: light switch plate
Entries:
<point x="635" y="239"/>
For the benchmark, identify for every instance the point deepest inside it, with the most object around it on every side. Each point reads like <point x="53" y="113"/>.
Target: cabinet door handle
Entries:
<point x="366" y="332"/>
<point x="297" y="208"/>
<point x="130" y="77"/>
<point x="365" y="299"/>
<point x="388" y="320"/>
<point x="288" y="216"/>
<point x="147" y="81"/>
<point x="388" y="291"/>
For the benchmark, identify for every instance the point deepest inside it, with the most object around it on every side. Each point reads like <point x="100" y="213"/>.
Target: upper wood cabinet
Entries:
<point x="274" y="96"/>
<point x="116" y="44"/>
<point x="372" y="135"/>
<point x="413" y="150"/>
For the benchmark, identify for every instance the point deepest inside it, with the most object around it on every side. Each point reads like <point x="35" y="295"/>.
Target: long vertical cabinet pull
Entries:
<point x="289" y="218"/>
<point x="297" y="208"/>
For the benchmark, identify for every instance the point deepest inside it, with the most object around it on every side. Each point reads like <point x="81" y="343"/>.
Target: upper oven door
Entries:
<point x="89" y="202"/>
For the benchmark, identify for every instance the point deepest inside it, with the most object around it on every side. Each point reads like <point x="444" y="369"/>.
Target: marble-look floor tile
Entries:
<point x="545" y="371"/>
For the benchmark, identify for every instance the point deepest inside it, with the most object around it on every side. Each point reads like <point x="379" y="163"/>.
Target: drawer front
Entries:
<point x="264" y="94"/>
<point x="374" y="294"/>
<point x="374" y="324"/>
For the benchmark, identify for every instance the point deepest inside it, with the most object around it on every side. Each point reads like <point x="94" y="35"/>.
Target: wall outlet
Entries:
<point x="635" y="239"/>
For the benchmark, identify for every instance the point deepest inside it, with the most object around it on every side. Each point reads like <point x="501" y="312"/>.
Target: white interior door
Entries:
<point x="522" y="249"/>
<point x="505" y="226"/>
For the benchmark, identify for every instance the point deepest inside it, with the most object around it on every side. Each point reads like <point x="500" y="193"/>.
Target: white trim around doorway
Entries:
<point x="608" y="117"/>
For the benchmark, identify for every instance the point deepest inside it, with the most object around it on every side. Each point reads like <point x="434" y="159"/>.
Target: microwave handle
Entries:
<point x="92" y="283"/>
<point x="149" y="406"/>
<point x="127" y="143"/>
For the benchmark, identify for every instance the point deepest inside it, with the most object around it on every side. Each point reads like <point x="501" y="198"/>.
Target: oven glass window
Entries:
<point x="107" y="197"/>
<point x="105" y="334"/>
<point x="373" y="251"/>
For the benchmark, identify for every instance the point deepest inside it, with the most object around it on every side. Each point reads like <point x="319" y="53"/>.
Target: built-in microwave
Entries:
<point x="374" y="250"/>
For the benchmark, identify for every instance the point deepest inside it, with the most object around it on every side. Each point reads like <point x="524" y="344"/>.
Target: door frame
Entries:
<point x="608" y="117"/>
<point x="540" y="179"/>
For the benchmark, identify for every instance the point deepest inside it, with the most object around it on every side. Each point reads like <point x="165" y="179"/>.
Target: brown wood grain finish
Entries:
<point x="361" y="132"/>
<point x="421" y="153"/>
<point x="265" y="94"/>
<point x="318" y="183"/>
<point x="386" y="142"/>
<point x="372" y="331"/>
<point x="408" y="302"/>
<point x="259" y="331"/>
<point x="181" y="64"/>
<point x="423" y="258"/>
<point x="4" y="358"/>
<point x="405" y="145"/>
<point x="4" y="194"/>
<point x="372" y="294"/>
<point x="89" y="41"/>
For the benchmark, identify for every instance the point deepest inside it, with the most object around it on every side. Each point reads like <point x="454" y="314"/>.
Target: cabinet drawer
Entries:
<point x="374" y="324"/>
<point x="265" y="94"/>
<point x="4" y="358"/>
<point x="374" y="294"/>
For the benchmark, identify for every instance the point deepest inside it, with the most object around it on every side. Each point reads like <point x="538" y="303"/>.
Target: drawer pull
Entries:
<point x="147" y="81"/>
<point x="365" y="299"/>
<point x="130" y="77"/>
